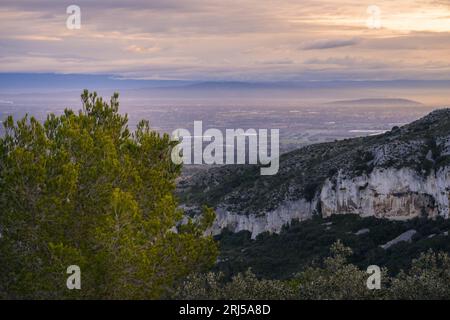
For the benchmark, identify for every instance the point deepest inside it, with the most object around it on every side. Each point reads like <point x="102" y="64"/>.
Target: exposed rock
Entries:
<point x="273" y="221"/>
<point x="404" y="237"/>
<point x="362" y="231"/>
<point x="389" y="193"/>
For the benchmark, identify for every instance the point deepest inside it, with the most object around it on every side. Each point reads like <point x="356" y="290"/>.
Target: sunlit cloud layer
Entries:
<point x="265" y="40"/>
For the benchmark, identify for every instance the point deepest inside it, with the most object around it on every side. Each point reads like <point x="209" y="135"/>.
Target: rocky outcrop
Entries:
<point x="362" y="231"/>
<point x="388" y="193"/>
<point x="272" y="221"/>
<point x="397" y="194"/>
<point x="404" y="237"/>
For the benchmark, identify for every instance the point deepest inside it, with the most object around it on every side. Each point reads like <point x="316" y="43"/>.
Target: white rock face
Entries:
<point x="272" y="221"/>
<point x="388" y="193"/>
<point x="398" y="194"/>
<point x="362" y="231"/>
<point x="404" y="237"/>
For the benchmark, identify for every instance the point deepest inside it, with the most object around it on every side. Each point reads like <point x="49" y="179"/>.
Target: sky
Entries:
<point x="230" y="40"/>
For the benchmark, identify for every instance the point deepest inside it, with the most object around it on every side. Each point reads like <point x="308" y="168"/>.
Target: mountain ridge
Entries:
<point x="377" y="101"/>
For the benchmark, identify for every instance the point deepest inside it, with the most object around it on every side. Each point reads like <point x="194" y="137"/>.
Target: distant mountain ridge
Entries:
<point x="75" y="81"/>
<point x="376" y="102"/>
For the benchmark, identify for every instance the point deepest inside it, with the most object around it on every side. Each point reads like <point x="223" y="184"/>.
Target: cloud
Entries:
<point x="329" y="44"/>
<point x="276" y="62"/>
<point x="138" y="49"/>
<point x="354" y="63"/>
<point x="227" y="40"/>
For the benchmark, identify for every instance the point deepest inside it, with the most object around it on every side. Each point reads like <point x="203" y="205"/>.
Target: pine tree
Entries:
<point x="82" y="189"/>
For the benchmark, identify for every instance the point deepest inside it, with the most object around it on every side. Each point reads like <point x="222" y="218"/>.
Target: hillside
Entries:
<point x="401" y="174"/>
<point x="304" y="243"/>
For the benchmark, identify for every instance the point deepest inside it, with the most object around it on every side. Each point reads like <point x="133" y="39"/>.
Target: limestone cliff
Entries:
<point x="388" y="193"/>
